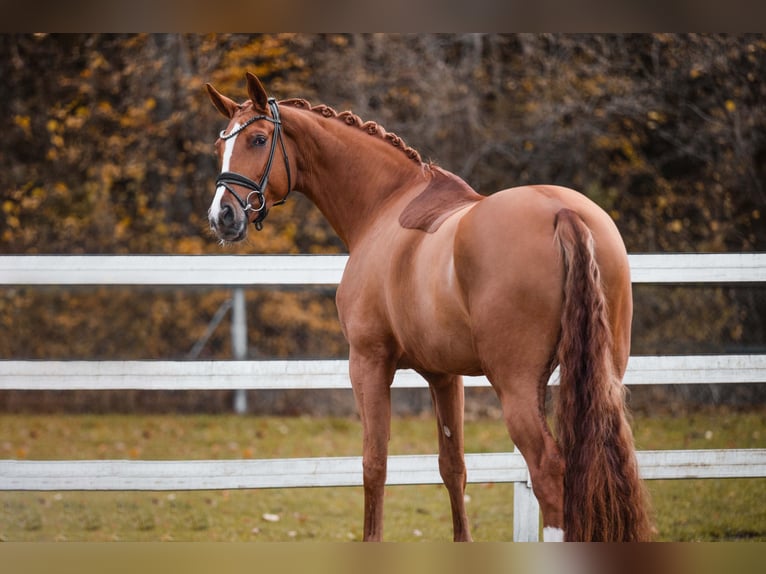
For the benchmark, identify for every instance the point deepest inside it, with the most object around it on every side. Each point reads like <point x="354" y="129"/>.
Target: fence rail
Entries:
<point x="338" y="471"/>
<point x="248" y="271"/>
<point x="282" y="375"/>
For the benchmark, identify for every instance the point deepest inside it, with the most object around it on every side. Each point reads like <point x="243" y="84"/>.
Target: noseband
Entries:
<point x="229" y="178"/>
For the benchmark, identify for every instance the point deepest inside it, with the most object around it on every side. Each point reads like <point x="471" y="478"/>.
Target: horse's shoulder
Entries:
<point x="444" y="194"/>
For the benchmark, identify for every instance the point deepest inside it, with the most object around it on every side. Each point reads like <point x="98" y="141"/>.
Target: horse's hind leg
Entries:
<point x="448" y="399"/>
<point x="522" y="400"/>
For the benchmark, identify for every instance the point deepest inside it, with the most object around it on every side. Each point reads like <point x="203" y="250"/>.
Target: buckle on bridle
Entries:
<point x="261" y="200"/>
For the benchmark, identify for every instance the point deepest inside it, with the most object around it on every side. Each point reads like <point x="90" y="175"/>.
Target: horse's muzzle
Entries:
<point x="229" y="223"/>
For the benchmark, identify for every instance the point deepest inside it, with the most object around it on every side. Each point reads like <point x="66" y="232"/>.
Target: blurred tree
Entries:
<point x="107" y="148"/>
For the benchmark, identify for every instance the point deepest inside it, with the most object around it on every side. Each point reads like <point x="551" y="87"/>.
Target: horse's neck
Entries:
<point x="348" y="174"/>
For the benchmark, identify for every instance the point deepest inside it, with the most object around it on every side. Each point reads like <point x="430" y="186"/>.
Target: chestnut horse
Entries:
<point x="447" y="282"/>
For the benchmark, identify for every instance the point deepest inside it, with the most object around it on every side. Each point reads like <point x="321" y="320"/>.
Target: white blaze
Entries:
<point x="228" y="150"/>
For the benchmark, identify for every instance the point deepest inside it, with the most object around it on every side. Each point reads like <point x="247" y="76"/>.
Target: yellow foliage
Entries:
<point x="24" y="122"/>
<point x="191" y="245"/>
<point x="122" y="227"/>
<point x="60" y="189"/>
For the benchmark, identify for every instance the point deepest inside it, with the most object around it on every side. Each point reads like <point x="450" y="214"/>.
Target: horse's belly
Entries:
<point x="440" y="352"/>
<point x="429" y="318"/>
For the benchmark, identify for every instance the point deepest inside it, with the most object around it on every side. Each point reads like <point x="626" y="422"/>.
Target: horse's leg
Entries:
<point x="522" y="400"/>
<point x="448" y="399"/>
<point x="518" y="361"/>
<point x="371" y="379"/>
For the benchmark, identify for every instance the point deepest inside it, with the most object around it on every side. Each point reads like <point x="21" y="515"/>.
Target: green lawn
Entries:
<point x="685" y="510"/>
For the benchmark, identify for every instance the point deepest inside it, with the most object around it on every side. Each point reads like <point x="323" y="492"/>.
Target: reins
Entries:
<point x="229" y="178"/>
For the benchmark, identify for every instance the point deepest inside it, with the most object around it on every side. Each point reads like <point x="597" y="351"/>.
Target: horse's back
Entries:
<point x="519" y="223"/>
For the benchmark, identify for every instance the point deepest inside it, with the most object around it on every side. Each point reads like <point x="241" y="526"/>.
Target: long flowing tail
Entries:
<point x="604" y="498"/>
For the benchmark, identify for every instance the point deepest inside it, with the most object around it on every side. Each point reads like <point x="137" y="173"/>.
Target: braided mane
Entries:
<point x="351" y="119"/>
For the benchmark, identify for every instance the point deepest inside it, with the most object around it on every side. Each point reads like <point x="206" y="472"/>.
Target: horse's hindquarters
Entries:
<point x="509" y="263"/>
<point x="510" y="268"/>
<point x="510" y="272"/>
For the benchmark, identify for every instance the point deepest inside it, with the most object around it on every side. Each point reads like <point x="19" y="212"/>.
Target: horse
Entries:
<point x="449" y="282"/>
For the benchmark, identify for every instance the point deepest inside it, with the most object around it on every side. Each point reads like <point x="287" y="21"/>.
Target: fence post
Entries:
<point x="239" y="342"/>
<point x="526" y="512"/>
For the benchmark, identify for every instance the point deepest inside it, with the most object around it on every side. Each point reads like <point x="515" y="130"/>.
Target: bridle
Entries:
<point x="229" y="178"/>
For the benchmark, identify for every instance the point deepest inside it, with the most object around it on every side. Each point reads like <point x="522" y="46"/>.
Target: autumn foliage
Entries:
<point x="107" y="147"/>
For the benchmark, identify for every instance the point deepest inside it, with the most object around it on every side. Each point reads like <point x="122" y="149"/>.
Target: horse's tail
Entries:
<point x="604" y="498"/>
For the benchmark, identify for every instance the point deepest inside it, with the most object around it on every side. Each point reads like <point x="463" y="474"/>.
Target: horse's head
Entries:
<point x="246" y="149"/>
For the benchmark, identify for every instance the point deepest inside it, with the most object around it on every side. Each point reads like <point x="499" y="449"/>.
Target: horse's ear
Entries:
<point x="223" y="104"/>
<point x="257" y="93"/>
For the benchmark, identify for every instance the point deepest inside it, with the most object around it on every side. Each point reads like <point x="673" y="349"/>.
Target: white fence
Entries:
<point x="248" y="270"/>
<point x="242" y="271"/>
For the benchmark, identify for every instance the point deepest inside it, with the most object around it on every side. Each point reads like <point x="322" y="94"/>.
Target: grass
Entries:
<point x="709" y="510"/>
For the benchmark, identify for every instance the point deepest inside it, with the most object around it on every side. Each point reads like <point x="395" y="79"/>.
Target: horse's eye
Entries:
<point x="260" y="140"/>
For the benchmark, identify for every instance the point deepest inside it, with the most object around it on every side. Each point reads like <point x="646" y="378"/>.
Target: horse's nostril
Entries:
<point x="227" y="215"/>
